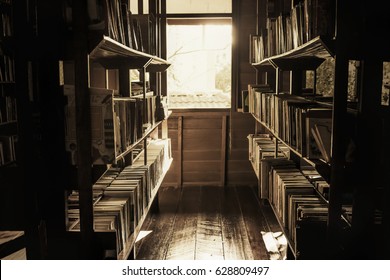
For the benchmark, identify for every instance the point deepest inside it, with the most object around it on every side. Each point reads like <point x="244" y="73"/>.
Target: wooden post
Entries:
<point x="83" y="126"/>
<point x="223" y="150"/>
<point x="337" y="181"/>
<point x="180" y="151"/>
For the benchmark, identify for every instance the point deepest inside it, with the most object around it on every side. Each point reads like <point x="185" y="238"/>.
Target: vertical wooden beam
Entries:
<point x="124" y="81"/>
<point x="164" y="129"/>
<point x="26" y="157"/>
<point x="261" y="25"/>
<point x="337" y="181"/>
<point x="235" y="55"/>
<point x="180" y="151"/>
<point x="296" y="82"/>
<point x="223" y="149"/>
<point x="83" y="125"/>
<point x="368" y="159"/>
<point x="140" y="7"/>
<point x="163" y="45"/>
<point x="145" y="112"/>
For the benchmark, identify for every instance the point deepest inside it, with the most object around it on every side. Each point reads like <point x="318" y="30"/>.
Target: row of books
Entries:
<point x="300" y="122"/>
<point x="132" y="119"/>
<point x="263" y="146"/>
<point x="8" y="149"/>
<point x="305" y="21"/>
<point x="5" y="21"/>
<point x="115" y="18"/>
<point x="7" y="67"/>
<point x="8" y="112"/>
<point x="116" y="122"/>
<point x="291" y="191"/>
<point x="121" y="197"/>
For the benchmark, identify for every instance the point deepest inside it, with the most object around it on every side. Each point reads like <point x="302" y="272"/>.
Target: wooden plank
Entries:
<point x="201" y="139"/>
<point x="171" y="176"/>
<point x="183" y="240"/>
<point x="239" y="154"/>
<point x="172" y="123"/>
<point x="97" y="76"/>
<point x="180" y="150"/>
<point x="239" y="165"/>
<point x="242" y="178"/>
<point x="199" y="113"/>
<point x="204" y="184"/>
<point x="201" y="177"/>
<point x="203" y="123"/>
<point x="209" y="155"/>
<point x="154" y="245"/>
<point x="175" y="142"/>
<point x="223" y="150"/>
<point x="239" y="142"/>
<point x="83" y="127"/>
<point x="209" y="243"/>
<point x="242" y="120"/>
<point x="202" y="166"/>
<point x="255" y="221"/>
<point x="235" y="238"/>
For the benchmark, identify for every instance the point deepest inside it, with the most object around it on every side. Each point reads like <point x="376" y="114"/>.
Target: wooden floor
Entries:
<point x="195" y="223"/>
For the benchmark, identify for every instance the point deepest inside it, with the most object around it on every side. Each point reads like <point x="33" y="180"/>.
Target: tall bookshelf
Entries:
<point x="295" y="42"/>
<point x="137" y="151"/>
<point x="8" y="107"/>
<point x="8" y="135"/>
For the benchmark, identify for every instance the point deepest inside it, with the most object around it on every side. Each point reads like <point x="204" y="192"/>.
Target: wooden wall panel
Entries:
<point x="201" y="178"/>
<point x="202" y="123"/>
<point x="203" y="161"/>
<point x="237" y="154"/>
<point x="198" y="155"/>
<point x="239" y="169"/>
<point x="202" y="166"/>
<point x="242" y="178"/>
<point x="202" y="139"/>
<point x="170" y="178"/>
<point x="239" y="165"/>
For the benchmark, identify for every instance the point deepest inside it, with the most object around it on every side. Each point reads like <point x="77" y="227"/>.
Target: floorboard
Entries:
<point x="207" y="223"/>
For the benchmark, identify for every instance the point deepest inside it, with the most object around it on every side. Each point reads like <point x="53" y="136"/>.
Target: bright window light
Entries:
<point x="200" y="71"/>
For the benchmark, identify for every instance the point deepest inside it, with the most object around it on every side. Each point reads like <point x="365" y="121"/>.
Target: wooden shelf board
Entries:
<point x="112" y="54"/>
<point x="307" y="56"/>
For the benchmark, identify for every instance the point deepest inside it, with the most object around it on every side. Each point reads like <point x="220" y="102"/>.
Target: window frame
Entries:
<point x="203" y="18"/>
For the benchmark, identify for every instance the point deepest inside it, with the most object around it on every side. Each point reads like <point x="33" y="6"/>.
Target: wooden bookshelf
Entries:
<point x="111" y="54"/>
<point x="342" y="234"/>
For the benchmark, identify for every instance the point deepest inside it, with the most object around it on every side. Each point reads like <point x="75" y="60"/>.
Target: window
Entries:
<point x="199" y="48"/>
<point x="199" y="6"/>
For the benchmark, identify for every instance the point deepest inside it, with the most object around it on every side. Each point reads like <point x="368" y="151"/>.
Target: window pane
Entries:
<point x="134" y="7"/>
<point x="200" y="71"/>
<point x="198" y="6"/>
